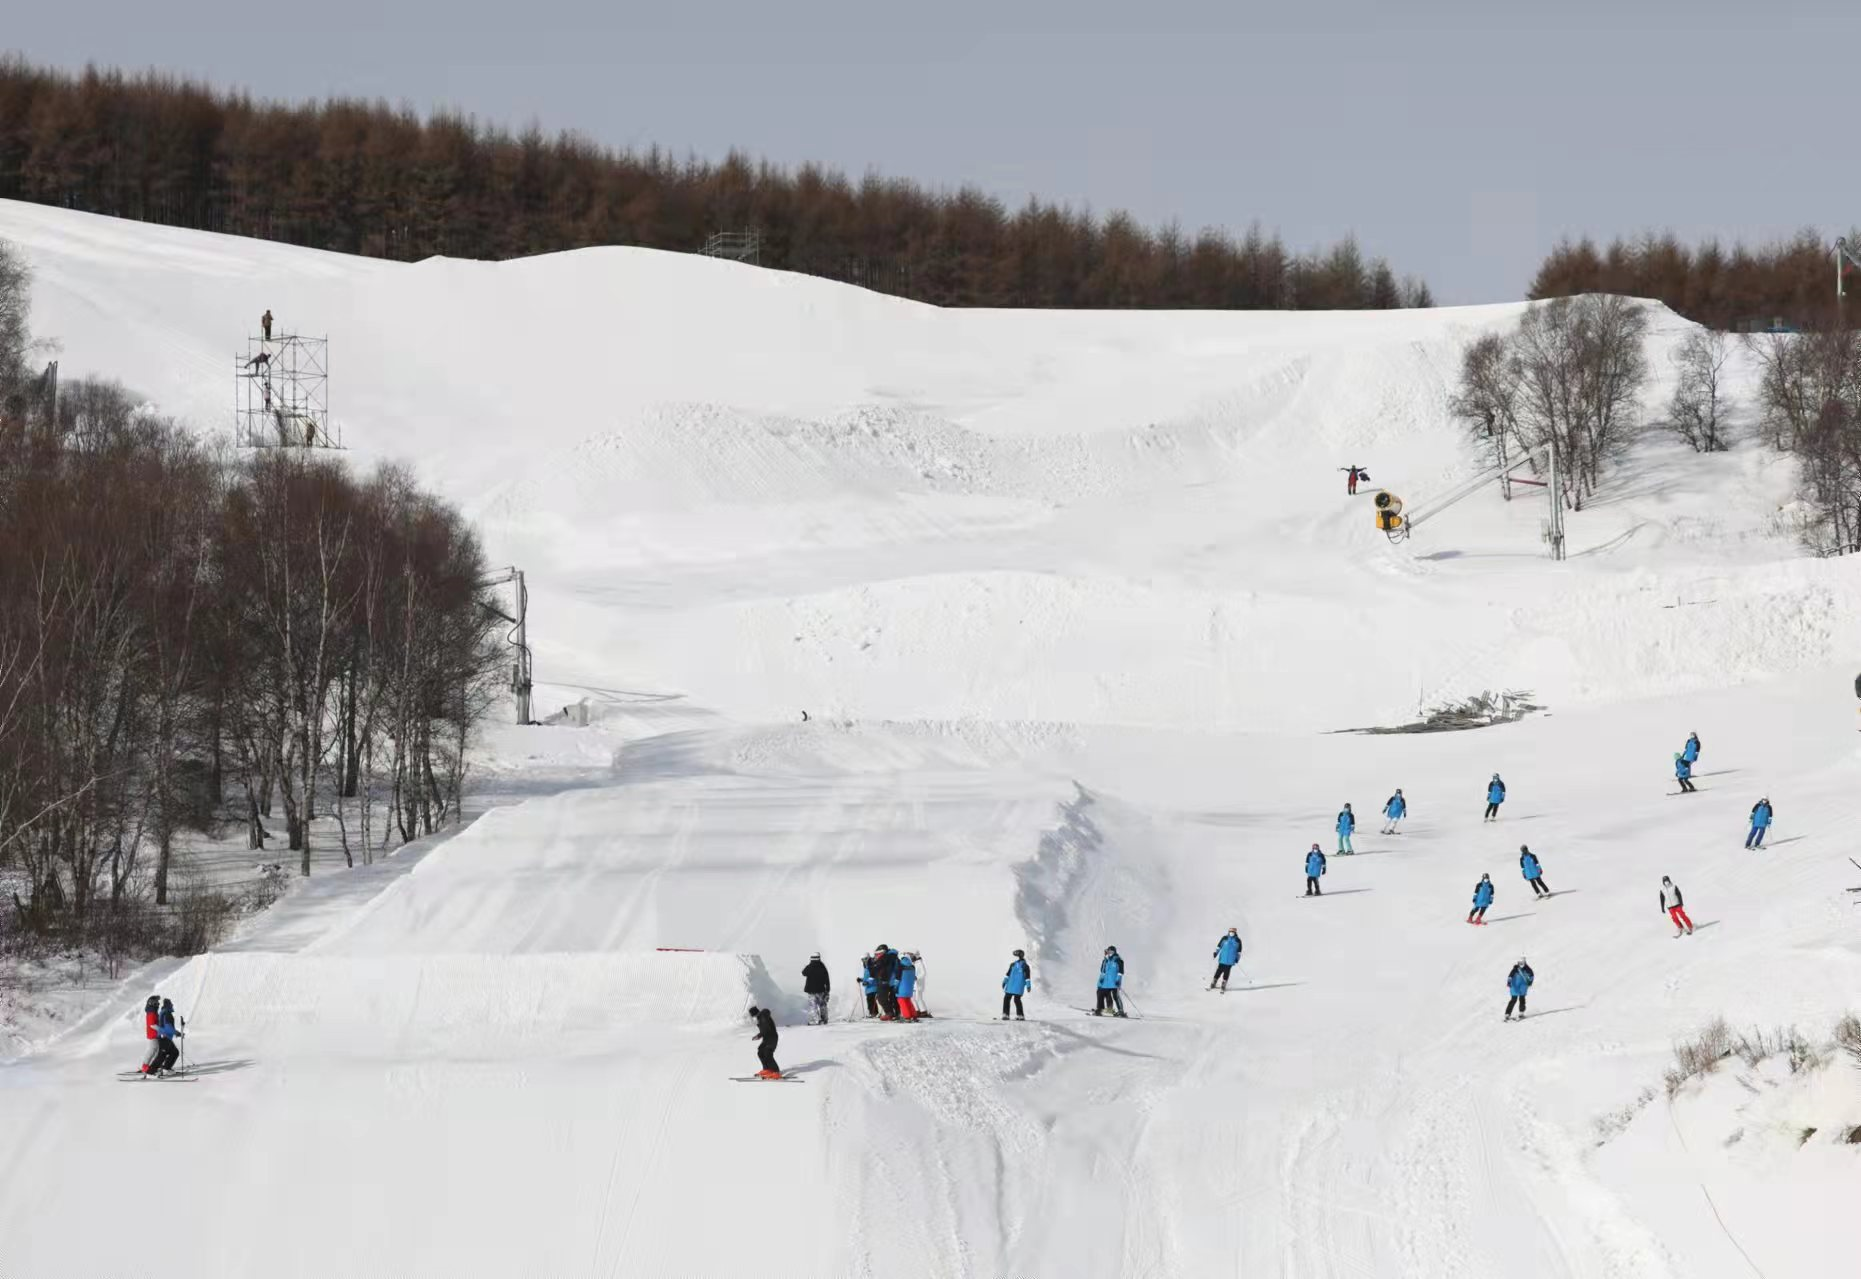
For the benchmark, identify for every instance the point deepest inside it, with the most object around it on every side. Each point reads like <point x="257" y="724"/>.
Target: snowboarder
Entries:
<point x="264" y="322"/>
<point x="1482" y="898"/>
<point x="1314" y="868"/>
<point x="870" y="985"/>
<point x="1760" y="822"/>
<point x="1675" y="906"/>
<point x="1352" y="474"/>
<point x="766" y="1038"/>
<point x="818" y="985"/>
<point x="906" y="983"/>
<point x="1495" y="796"/>
<point x="1683" y="773"/>
<point x="1395" y="810"/>
<point x="1518" y="981"/>
<point x="167" y="1053"/>
<point x="151" y="1015"/>
<point x="1533" y="872"/>
<point x="1227" y="954"/>
<point x="885" y="971"/>
<point x="1111" y="977"/>
<point x="1347" y="823"/>
<point x="1690" y="752"/>
<point x="1018" y="982"/>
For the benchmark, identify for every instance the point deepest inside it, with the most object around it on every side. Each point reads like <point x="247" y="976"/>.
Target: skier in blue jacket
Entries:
<point x="1227" y="954"/>
<point x="905" y="985"/>
<point x="1314" y="867"/>
<point x="1518" y="981"/>
<point x="1347" y="823"/>
<point x="1690" y="752"/>
<point x="167" y="1052"/>
<point x="869" y="984"/>
<point x="1395" y="810"/>
<point x="1495" y="796"/>
<point x="1760" y="822"/>
<point x="1533" y="872"/>
<point x="1482" y="898"/>
<point x="1111" y="977"/>
<point x="1683" y="773"/>
<point x="1018" y="982"/>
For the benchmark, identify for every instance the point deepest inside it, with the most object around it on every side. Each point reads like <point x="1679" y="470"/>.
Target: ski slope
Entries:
<point x="1076" y="605"/>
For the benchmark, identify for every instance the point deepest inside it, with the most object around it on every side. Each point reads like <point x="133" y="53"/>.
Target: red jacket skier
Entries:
<point x="151" y="1015"/>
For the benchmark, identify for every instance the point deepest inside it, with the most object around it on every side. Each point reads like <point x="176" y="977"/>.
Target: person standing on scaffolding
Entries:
<point x="265" y="323"/>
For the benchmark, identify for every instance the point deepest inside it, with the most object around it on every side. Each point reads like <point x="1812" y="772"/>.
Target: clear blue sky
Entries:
<point x="1458" y="139"/>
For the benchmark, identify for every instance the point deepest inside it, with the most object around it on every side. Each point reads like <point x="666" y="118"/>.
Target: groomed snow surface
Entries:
<point x="1075" y="604"/>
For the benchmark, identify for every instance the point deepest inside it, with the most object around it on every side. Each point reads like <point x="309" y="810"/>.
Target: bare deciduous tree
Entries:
<point x="1699" y="405"/>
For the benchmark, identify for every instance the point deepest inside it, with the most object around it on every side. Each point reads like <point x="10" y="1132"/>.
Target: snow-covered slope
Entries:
<point x="1072" y="600"/>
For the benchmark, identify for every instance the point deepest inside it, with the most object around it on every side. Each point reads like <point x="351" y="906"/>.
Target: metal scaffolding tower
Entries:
<point x="743" y="246"/>
<point x="518" y="637"/>
<point x="282" y="394"/>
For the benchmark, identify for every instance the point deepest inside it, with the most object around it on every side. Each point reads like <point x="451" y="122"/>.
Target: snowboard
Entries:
<point x="790" y="1078"/>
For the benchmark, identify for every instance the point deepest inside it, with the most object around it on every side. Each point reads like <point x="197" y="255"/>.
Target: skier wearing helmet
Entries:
<point x="1111" y="978"/>
<point x="766" y="1039"/>
<point x="1227" y="954"/>
<point x="1495" y="796"/>
<point x="1518" y="982"/>
<point x="1314" y="867"/>
<point x="1018" y="982"/>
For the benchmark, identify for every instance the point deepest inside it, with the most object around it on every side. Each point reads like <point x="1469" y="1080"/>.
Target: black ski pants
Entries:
<point x="765" y="1050"/>
<point x="888" y="1001"/>
<point x="1686" y="786"/>
<point x="872" y="1004"/>
<point x="1311" y="886"/>
<point x="166" y="1055"/>
<point x="1516" y="999"/>
<point x="1016" y="1001"/>
<point x="1538" y="887"/>
<point x="1110" y="999"/>
<point x="1492" y="810"/>
<point x="1221" y="974"/>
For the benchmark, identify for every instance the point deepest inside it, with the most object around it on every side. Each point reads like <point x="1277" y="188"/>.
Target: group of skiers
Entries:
<point x="163" y="1029"/>
<point x="889" y="980"/>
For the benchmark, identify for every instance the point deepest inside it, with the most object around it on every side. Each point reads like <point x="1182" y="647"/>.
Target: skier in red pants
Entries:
<point x="1674" y="905"/>
<point x="1351" y="475"/>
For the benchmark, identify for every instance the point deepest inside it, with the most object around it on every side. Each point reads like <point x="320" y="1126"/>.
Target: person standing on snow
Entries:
<point x="1018" y="982"/>
<point x="1111" y="978"/>
<point x="1227" y="954"/>
<point x="870" y="985"/>
<point x="1395" y="810"/>
<point x="1760" y="822"/>
<point x="766" y="1038"/>
<point x="167" y="1052"/>
<point x="885" y="972"/>
<point x="1690" y="752"/>
<point x="1674" y="906"/>
<point x="1314" y="868"/>
<point x="1347" y="822"/>
<point x="1683" y="773"/>
<point x="907" y="984"/>
<point x="1352" y="474"/>
<point x="818" y="985"/>
<point x="1495" y="796"/>
<point x="151" y="1017"/>
<point x="1482" y="898"/>
<point x="1518" y="981"/>
<point x="1533" y="872"/>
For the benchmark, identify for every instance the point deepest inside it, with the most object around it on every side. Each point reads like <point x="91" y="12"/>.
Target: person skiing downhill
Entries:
<point x="1690" y="752"/>
<point x="1395" y="810"/>
<point x="1314" y="868"/>
<point x="1018" y="982"/>
<point x="907" y="985"/>
<point x="1111" y="978"/>
<point x="870" y="985"/>
<point x="1495" y="796"/>
<point x="818" y="985"/>
<point x="1761" y="814"/>
<point x="1347" y="822"/>
<point x="1482" y="898"/>
<point x="1227" y="954"/>
<point x="167" y="1053"/>
<point x="1518" y="982"/>
<point x="1533" y="872"/>
<point x="766" y="1039"/>
<point x="1675" y="906"/>
<point x="1683" y="773"/>
<point x="151" y="1017"/>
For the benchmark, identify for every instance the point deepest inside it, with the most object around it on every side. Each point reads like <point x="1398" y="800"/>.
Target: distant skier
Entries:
<point x="885" y="970"/>
<point x="1347" y="823"/>
<point x="1018" y="982"/>
<point x="1111" y="978"/>
<point x="1690" y="752"/>
<point x="1675" y="906"/>
<point x="1533" y="872"/>
<point x="1395" y="810"/>
<point x="1352" y="474"/>
<point x="1683" y="773"/>
<point x="1495" y="796"/>
<point x="870" y="986"/>
<point x="1518" y="981"/>
<point x="1482" y="898"/>
<point x="818" y="985"/>
<point x="264" y="322"/>
<point x="1761" y="814"/>
<point x="766" y="1038"/>
<point x="151" y="1017"/>
<point x="1314" y="869"/>
<point x="1227" y="954"/>
<point x="906" y="984"/>
<point x="167" y="1052"/>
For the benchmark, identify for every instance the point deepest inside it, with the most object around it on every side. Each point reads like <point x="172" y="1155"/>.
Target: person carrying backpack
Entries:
<point x="1674" y="905"/>
<point x="1314" y="869"/>
<point x="1018" y="982"/>
<point x="1395" y="810"/>
<point x="1495" y="796"/>
<point x="817" y="985"/>
<point x="1482" y="898"/>
<point x="1533" y="872"/>
<point x="1347" y="823"/>
<point x="1518" y="982"/>
<point x="766" y="1040"/>
<point x="1111" y="978"/>
<point x="1761" y="813"/>
<point x="1227" y="954"/>
<point x="906" y="984"/>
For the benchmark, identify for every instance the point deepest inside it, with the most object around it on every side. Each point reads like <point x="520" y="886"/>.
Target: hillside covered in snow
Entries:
<point x="1078" y="613"/>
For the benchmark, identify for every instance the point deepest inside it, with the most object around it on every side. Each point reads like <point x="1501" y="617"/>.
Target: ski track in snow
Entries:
<point x="1073" y="602"/>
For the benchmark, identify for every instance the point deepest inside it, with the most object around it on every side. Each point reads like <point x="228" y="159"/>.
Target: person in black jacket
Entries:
<point x="766" y="1038"/>
<point x="818" y="986"/>
<point x="885" y="972"/>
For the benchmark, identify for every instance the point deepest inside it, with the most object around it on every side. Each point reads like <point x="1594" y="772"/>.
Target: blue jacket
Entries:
<point x="1396" y="807"/>
<point x="1682" y="769"/>
<point x="1518" y="981"/>
<point x="1111" y="972"/>
<point x="1528" y="865"/>
<point x="1496" y="792"/>
<point x="1761" y="814"/>
<point x="1347" y="822"/>
<point x="907" y="980"/>
<point x="1229" y="950"/>
<point x="164" y="1026"/>
<point x="1019" y="978"/>
<point x="1314" y="863"/>
<point x="1691" y="752"/>
<point x="1483" y="893"/>
<point x="867" y="981"/>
